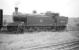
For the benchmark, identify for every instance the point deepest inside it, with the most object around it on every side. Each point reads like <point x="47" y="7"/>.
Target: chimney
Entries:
<point x="34" y="12"/>
<point x="16" y="10"/>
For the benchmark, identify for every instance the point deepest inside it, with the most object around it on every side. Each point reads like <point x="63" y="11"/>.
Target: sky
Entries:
<point x="69" y="8"/>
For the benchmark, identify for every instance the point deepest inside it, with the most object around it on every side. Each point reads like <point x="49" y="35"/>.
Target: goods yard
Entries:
<point x="37" y="32"/>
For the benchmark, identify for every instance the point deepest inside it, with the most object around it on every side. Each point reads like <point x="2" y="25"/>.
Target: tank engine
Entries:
<point x="37" y="22"/>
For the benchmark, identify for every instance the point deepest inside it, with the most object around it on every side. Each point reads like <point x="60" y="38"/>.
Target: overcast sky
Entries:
<point x="68" y="8"/>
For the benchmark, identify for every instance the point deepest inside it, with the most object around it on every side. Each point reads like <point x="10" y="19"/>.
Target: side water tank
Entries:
<point x="1" y="18"/>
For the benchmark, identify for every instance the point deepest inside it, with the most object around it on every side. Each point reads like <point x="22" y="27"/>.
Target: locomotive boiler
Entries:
<point x="37" y="22"/>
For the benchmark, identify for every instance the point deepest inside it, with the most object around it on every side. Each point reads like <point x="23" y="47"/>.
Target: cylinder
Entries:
<point x="1" y="18"/>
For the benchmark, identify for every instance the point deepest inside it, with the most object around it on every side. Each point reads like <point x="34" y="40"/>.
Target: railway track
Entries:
<point x="63" y="46"/>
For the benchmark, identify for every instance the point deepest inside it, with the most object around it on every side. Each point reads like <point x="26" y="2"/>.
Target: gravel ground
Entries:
<point x="36" y="41"/>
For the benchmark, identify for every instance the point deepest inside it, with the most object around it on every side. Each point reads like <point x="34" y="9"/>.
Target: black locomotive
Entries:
<point x="37" y="22"/>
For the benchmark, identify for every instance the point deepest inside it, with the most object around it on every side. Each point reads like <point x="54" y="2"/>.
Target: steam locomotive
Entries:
<point x="37" y="22"/>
